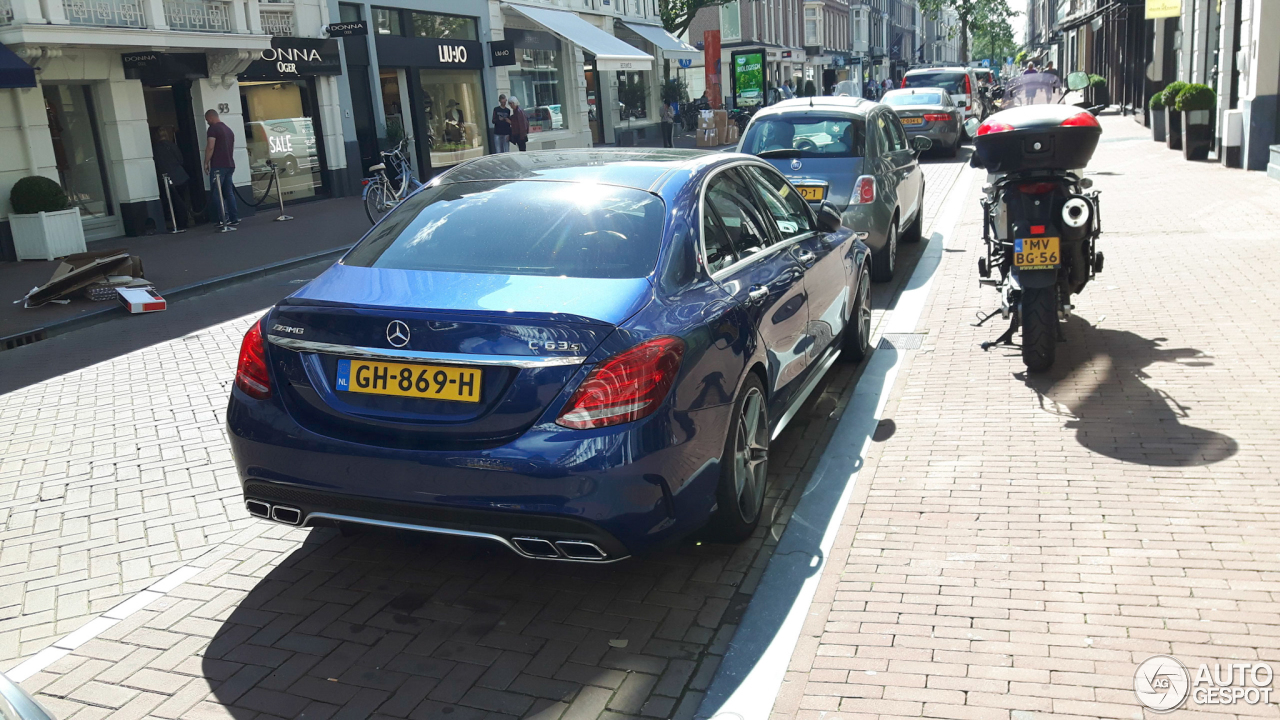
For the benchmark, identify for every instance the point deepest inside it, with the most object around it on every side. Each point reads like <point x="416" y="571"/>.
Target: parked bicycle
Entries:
<point x="392" y="181"/>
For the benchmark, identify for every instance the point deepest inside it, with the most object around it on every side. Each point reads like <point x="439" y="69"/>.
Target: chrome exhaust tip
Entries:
<point x="257" y="508"/>
<point x="580" y="550"/>
<point x="535" y="547"/>
<point x="286" y="515"/>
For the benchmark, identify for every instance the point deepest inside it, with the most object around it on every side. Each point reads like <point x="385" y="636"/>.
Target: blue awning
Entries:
<point x="14" y="71"/>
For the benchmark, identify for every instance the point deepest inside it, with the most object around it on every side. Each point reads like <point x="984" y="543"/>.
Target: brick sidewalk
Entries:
<point x="1021" y="543"/>
<point x="117" y="476"/>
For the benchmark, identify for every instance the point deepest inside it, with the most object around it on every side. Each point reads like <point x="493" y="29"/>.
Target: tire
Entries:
<point x="951" y="151"/>
<point x="744" y="467"/>
<point x="857" y="334"/>
<point x="375" y="205"/>
<point x="1039" y="327"/>
<point x="884" y="262"/>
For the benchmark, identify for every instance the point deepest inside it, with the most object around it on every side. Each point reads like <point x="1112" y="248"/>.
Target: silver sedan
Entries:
<point x="928" y="112"/>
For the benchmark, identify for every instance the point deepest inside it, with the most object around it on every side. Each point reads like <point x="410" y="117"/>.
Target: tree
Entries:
<point x="995" y="42"/>
<point x="975" y="16"/>
<point x="677" y="15"/>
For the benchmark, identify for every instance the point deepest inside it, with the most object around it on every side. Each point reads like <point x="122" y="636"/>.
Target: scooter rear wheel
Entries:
<point x="1039" y="327"/>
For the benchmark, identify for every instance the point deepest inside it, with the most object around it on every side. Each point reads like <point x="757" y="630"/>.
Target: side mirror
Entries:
<point x="971" y="127"/>
<point x="920" y="143"/>
<point x="829" y="220"/>
<point x="1077" y="81"/>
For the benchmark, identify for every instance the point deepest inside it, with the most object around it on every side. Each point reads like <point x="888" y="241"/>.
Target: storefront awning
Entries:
<point x="14" y="71"/>
<point x="672" y="47"/>
<point x="611" y="53"/>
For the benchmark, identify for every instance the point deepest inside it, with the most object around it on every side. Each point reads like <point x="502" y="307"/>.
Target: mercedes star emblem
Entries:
<point x="398" y="334"/>
<point x="795" y="164"/>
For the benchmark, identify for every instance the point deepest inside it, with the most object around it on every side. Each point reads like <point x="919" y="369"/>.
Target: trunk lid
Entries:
<point x="522" y="338"/>
<point x="836" y="174"/>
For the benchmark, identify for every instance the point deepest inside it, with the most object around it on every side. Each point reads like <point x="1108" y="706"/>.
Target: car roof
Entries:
<point x="643" y="169"/>
<point x="947" y="68"/>
<point x="839" y="103"/>
<point x="917" y="91"/>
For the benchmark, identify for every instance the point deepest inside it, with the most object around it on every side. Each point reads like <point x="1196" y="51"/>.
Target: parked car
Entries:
<point x="928" y="112"/>
<point x="961" y="82"/>
<point x="605" y="385"/>
<point x="16" y="704"/>
<point x="854" y="154"/>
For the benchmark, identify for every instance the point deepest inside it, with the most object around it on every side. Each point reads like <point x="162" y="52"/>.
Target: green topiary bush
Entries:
<point x="1157" y="102"/>
<point x="1195" y="97"/>
<point x="1097" y="81"/>
<point x="37" y="194"/>
<point x="1170" y="92"/>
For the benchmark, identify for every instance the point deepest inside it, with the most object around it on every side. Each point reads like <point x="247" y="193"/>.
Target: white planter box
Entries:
<point x="45" y="236"/>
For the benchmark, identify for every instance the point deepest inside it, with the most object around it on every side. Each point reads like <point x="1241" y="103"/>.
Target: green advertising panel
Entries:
<point x="748" y="78"/>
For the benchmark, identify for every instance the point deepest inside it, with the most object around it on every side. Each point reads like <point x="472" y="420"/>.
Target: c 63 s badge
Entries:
<point x="555" y="346"/>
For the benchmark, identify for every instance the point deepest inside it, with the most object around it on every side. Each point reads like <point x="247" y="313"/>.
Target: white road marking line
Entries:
<point x="95" y="627"/>
<point x="747" y="682"/>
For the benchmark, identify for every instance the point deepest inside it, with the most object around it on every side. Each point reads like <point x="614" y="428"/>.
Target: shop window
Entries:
<point x="445" y="27"/>
<point x="279" y="131"/>
<point x="77" y="148"/>
<point x="537" y="80"/>
<point x="348" y="13"/>
<point x="633" y="95"/>
<point x="455" y="109"/>
<point x="386" y="21"/>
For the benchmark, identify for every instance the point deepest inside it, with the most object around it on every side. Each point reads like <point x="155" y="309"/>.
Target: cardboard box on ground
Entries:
<point x="97" y="275"/>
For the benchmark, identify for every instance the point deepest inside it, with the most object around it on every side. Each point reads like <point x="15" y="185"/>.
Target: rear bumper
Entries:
<point x="939" y="134"/>
<point x="625" y="490"/>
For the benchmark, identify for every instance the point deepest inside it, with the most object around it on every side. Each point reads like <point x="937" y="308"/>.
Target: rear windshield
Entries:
<point x="913" y="99"/>
<point x="952" y="82"/>
<point x="805" y="136"/>
<point x="519" y="228"/>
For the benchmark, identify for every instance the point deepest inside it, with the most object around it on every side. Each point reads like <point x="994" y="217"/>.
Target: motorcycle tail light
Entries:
<point x="1040" y="188"/>
<point x="991" y="127"/>
<point x="936" y="117"/>
<point x="626" y="387"/>
<point x="864" y="190"/>
<point x="251" y="371"/>
<point x="1084" y="119"/>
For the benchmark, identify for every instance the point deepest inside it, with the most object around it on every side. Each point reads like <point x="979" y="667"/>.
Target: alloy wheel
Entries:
<point x="751" y="456"/>
<point x="864" y="309"/>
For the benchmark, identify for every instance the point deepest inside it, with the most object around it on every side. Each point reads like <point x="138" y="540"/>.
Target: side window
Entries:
<point x="888" y="143"/>
<point x="731" y="229"/>
<point x="899" y="135"/>
<point x="790" y="211"/>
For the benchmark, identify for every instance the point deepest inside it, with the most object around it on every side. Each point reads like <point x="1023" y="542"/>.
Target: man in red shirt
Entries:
<point x="220" y="165"/>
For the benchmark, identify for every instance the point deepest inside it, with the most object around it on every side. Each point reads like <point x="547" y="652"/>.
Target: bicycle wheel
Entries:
<point x="375" y="201"/>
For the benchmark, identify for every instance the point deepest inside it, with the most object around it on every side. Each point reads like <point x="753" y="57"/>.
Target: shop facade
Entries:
<point x="119" y="100"/>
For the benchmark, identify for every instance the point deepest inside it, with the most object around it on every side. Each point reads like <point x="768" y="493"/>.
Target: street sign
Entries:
<point x="986" y="63"/>
<point x="1163" y="9"/>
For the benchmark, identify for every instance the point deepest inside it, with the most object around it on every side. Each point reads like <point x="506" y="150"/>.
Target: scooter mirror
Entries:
<point x="971" y="126"/>
<point x="1077" y="81"/>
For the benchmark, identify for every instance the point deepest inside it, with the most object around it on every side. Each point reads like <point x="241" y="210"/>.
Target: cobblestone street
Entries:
<point x="1021" y="543"/>
<point x="132" y="578"/>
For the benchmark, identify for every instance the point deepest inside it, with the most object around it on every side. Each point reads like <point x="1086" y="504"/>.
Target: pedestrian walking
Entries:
<point x="501" y="122"/>
<point x="668" y="118"/>
<point x="220" y="165"/>
<point x="519" y="124"/>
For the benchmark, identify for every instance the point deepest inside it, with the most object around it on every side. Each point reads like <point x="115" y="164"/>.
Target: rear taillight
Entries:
<point x="968" y="85"/>
<point x="1039" y="188"/>
<point x="990" y="128"/>
<point x="1084" y="119"/>
<point x="936" y="117"/>
<point x="626" y="387"/>
<point x="904" y="82"/>
<point x="251" y="372"/>
<point x="864" y="190"/>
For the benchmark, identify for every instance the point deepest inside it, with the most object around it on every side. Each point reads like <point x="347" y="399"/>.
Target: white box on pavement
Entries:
<point x="140" y="300"/>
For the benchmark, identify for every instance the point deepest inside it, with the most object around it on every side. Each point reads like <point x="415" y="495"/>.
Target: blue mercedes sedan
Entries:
<point x="581" y="355"/>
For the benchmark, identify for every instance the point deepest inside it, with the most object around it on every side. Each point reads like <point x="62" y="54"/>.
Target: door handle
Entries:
<point x="757" y="294"/>
<point x="806" y="258"/>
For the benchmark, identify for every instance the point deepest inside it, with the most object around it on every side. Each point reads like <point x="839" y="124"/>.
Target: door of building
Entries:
<point x="176" y="148"/>
<point x="595" y="101"/>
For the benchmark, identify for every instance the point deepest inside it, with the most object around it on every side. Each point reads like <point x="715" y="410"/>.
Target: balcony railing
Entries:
<point x="105" y="13"/>
<point x="198" y="15"/>
<point x="277" y="21"/>
<point x="6" y="12"/>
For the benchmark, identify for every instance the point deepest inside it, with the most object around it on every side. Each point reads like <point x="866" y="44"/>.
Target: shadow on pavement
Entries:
<point x="1100" y="375"/>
